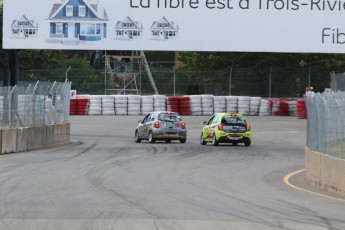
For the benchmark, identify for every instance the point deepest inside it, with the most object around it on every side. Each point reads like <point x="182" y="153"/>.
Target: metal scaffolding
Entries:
<point x="123" y="70"/>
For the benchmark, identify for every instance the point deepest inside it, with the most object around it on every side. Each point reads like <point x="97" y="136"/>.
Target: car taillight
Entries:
<point x="183" y="125"/>
<point x="248" y="127"/>
<point x="220" y="127"/>
<point x="156" y="124"/>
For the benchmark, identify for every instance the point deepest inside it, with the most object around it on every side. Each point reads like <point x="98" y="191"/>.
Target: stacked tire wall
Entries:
<point x="195" y="105"/>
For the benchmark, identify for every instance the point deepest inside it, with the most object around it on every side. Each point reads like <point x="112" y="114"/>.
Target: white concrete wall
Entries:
<point x="325" y="171"/>
<point x="24" y="139"/>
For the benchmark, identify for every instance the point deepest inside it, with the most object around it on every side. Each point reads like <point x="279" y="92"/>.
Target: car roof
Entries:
<point x="157" y="112"/>
<point x="229" y="114"/>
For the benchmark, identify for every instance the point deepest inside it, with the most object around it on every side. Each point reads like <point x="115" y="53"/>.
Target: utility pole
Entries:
<point x="10" y="68"/>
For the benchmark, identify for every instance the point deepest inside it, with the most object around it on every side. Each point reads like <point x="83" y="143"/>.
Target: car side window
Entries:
<point x="146" y="118"/>
<point x="153" y="117"/>
<point x="215" y="119"/>
<point x="210" y="121"/>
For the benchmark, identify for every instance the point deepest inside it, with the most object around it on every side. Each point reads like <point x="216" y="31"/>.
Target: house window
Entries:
<point x="23" y="23"/>
<point x="155" y="33"/>
<point x="119" y="32"/>
<point x="58" y="28"/>
<point x="98" y="28"/>
<point x="90" y="29"/>
<point x="163" y="25"/>
<point x="69" y="11"/>
<point x="82" y="11"/>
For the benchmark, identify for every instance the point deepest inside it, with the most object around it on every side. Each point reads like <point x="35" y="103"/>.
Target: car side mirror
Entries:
<point x="205" y="122"/>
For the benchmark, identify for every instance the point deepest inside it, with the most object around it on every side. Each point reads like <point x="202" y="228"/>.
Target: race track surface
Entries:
<point x="104" y="180"/>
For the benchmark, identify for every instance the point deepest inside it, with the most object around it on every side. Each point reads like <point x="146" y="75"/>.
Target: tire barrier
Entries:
<point x="108" y="105"/>
<point x="196" y="105"/>
<point x="134" y="102"/>
<point x="73" y="107"/>
<point x="184" y="106"/>
<point x="231" y="104"/>
<point x="95" y="107"/>
<point x="120" y="104"/>
<point x="292" y="108"/>
<point x="147" y="104"/>
<point x="83" y="106"/>
<point x="219" y="104"/>
<point x="159" y="103"/>
<point x="244" y="105"/>
<point x="173" y="104"/>
<point x="280" y="108"/>
<point x="301" y="109"/>
<point x="265" y="108"/>
<point x="207" y="104"/>
<point x="254" y="106"/>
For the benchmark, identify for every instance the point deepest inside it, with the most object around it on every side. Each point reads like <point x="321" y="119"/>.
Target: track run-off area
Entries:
<point x="104" y="180"/>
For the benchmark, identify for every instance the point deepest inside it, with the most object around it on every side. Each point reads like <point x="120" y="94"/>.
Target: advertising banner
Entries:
<point x="311" y="26"/>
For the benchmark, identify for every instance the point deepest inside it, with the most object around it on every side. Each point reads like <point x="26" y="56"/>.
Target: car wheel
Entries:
<point x="202" y="139"/>
<point x="234" y="143"/>
<point x="168" y="141"/>
<point x="247" y="143"/>
<point x="137" y="138"/>
<point x="214" y="140"/>
<point x="151" y="139"/>
<point x="183" y="140"/>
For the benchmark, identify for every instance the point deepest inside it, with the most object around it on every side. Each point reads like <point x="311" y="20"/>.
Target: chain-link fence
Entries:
<point x="326" y="123"/>
<point x="28" y="105"/>
<point x="338" y="81"/>
<point x="268" y="82"/>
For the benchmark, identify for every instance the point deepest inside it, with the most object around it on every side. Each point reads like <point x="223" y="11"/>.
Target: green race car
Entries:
<point x="226" y="128"/>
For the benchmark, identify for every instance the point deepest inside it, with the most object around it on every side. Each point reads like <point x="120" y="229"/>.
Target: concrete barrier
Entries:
<point x="24" y="139"/>
<point x="8" y="140"/>
<point x="324" y="171"/>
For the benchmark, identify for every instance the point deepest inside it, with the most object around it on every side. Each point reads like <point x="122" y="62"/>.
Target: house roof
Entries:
<point x="100" y="13"/>
<point x="31" y="23"/>
<point x="171" y="25"/>
<point x="128" y="19"/>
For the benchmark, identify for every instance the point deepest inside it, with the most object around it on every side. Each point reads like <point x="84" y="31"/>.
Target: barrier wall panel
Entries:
<point x="325" y="172"/>
<point x="22" y="139"/>
<point x="9" y="141"/>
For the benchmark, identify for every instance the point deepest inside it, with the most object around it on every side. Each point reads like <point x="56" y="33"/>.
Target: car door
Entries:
<point x="148" y="124"/>
<point x="206" y="129"/>
<point x="142" y="127"/>
<point x="212" y="126"/>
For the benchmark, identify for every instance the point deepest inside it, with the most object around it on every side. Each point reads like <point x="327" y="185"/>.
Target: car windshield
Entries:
<point x="233" y="120"/>
<point x="171" y="117"/>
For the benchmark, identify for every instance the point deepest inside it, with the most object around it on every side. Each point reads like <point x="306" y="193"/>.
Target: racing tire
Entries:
<point x="151" y="139"/>
<point x="137" y="139"/>
<point x="183" y="140"/>
<point x="214" y="140"/>
<point x="168" y="141"/>
<point x="235" y="143"/>
<point x="202" y="140"/>
<point x="247" y="143"/>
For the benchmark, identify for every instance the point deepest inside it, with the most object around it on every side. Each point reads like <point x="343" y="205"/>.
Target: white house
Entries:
<point x="78" y="20"/>
<point x="24" y="28"/>
<point x="164" y="30"/>
<point x="128" y="29"/>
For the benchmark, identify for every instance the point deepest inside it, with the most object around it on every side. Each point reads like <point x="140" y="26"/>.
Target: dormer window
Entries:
<point x="82" y="11"/>
<point x="69" y="11"/>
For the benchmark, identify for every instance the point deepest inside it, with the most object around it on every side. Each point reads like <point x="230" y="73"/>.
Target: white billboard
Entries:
<point x="176" y="25"/>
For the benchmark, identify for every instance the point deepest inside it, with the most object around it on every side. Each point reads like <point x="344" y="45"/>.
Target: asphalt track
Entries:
<point x="103" y="180"/>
